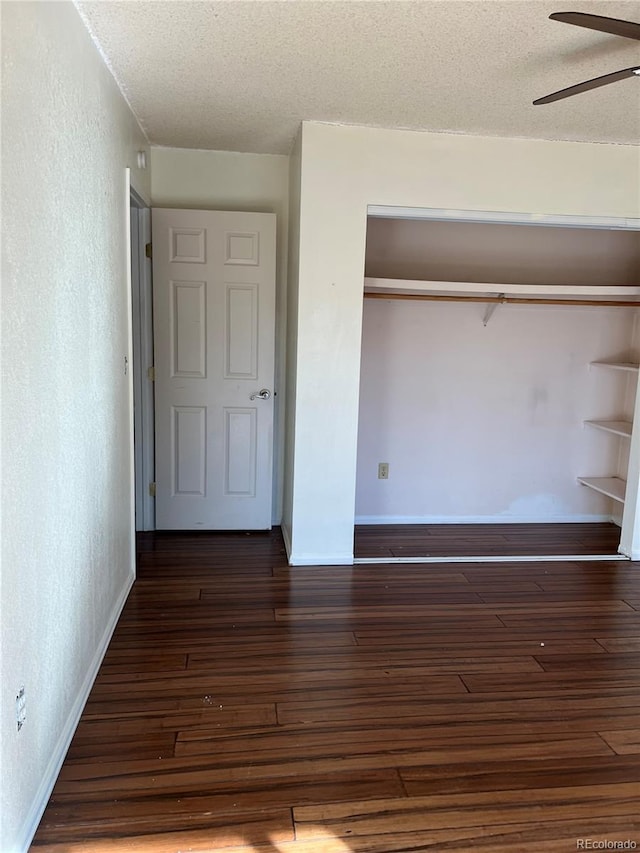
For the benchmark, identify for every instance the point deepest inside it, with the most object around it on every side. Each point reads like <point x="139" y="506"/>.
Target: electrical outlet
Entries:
<point x="21" y="708"/>
<point x="383" y="470"/>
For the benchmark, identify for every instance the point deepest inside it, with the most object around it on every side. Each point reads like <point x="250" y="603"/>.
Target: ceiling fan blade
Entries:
<point x="594" y="83"/>
<point x="614" y="26"/>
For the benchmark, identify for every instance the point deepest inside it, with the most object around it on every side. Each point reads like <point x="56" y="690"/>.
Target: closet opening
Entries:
<point x="498" y="384"/>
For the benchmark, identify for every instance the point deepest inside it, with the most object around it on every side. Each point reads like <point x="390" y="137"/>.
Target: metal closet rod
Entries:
<point x="500" y="299"/>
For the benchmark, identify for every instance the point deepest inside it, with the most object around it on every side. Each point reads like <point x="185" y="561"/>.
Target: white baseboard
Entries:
<point x="312" y="559"/>
<point x="480" y="519"/>
<point x="286" y="538"/>
<point x="321" y="559"/>
<point x="53" y="768"/>
<point x="547" y="558"/>
<point x="629" y="554"/>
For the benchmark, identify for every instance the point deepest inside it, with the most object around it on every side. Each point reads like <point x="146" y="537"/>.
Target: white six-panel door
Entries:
<point x="214" y="316"/>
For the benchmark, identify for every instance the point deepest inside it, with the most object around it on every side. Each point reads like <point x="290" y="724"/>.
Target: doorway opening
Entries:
<point x="488" y="429"/>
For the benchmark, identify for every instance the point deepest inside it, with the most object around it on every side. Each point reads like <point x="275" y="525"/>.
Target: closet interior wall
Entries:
<point x="487" y="423"/>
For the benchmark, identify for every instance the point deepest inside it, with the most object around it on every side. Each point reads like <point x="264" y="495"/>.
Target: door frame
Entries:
<point x="142" y="362"/>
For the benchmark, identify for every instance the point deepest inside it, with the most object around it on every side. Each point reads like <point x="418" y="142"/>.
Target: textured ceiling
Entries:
<point x="240" y="75"/>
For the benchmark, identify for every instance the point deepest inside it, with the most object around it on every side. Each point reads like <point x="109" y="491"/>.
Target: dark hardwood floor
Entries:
<point x="248" y="707"/>
<point x="485" y="540"/>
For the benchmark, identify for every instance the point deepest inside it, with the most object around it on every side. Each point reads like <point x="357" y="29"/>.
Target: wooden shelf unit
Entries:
<point x="612" y="487"/>
<point x="501" y="294"/>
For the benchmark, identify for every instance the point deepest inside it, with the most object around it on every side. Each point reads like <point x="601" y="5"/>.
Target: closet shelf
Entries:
<point x="628" y="366"/>
<point x="617" y="427"/>
<point x="588" y="294"/>
<point x="612" y="487"/>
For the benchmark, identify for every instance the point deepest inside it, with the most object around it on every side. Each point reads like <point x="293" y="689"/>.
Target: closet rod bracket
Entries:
<point x="491" y="307"/>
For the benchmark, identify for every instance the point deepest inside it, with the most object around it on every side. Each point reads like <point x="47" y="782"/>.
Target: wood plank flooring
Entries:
<point x="247" y="707"/>
<point x="485" y="540"/>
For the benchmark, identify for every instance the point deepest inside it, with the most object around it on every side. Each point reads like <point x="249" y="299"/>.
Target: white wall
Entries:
<point x="506" y="254"/>
<point x="295" y="177"/>
<point x="67" y="136"/>
<point x="630" y="539"/>
<point x="486" y="423"/>
<point x="225" y="180"/>
<point x="343" y="170"/>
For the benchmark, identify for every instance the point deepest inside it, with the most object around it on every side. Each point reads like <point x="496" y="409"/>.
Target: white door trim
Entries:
<point x="128" y="189"/>
<point x="142" y="360"/>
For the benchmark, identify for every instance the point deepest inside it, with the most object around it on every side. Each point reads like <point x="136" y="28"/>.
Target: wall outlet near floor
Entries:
<point x="21" y="708"/>
<point x="383" y="470"/>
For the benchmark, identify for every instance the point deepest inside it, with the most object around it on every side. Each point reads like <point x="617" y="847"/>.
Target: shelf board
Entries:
<point x="628" y="366"/>
<point x="617" y="427"/>
<point x="612" y="487"/>
<point x="565" y="291"/>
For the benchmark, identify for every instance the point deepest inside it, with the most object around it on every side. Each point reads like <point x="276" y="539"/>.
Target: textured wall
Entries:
<point x="67" y="136"/>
